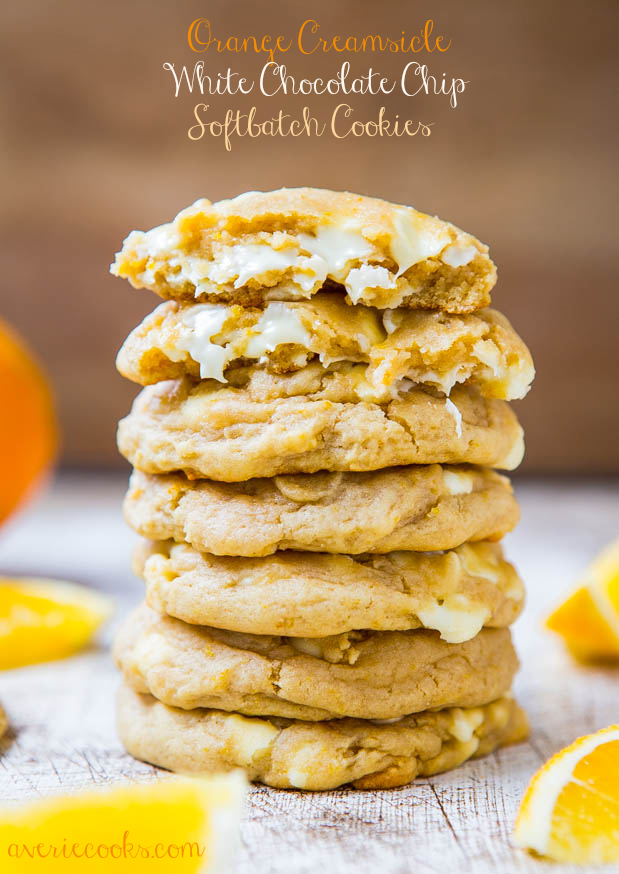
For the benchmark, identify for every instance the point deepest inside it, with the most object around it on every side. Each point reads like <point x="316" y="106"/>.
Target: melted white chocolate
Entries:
<point x="458" y="256"/>
<point x="457" y="415"/>
<point x="411" y="243"/>
<point x="456" y="619"/>
<point x="463" y="723"/>
<point x="457" y="483"/>
<point x="202" y="322"/>
<point x="308" y="260"/>
<point x="250" y="737"/>
<point x="337" y="247"/>
<point x="278" y="325"/>
<point x="367" y="276"/>
<point x="340" y="252"/>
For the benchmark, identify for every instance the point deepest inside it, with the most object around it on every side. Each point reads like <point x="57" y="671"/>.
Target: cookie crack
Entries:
<point x="394" y="417"/>
<point x="274" y="675"/>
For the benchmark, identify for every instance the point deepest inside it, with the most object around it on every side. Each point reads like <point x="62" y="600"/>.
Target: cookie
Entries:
<point x="265" y="424"/>
<point x="368" y="675"/>
<point x="4" y="722"/>
<point x="430" y="348"/>
<point x="290" y="754"/>
<point x="420" y="507"/>
<point x="286" y="244"/>
<point x="301" y="594"/>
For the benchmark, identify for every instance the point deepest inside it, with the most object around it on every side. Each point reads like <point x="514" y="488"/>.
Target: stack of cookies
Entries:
<point x="325" y="398"/>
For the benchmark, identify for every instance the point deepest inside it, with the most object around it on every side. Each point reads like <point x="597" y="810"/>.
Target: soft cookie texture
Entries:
<point x="287" y="244"/>
<point x="368" y="675"/>
<point x="315" y="595"/>
<point x="429" y="348"/>
<point x="420" y="507"/>
<point x="266" y="424"/>
<point x="290" y="754"/>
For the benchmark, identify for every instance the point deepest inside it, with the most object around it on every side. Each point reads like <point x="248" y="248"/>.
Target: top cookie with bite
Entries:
<point x="291" y="243"/>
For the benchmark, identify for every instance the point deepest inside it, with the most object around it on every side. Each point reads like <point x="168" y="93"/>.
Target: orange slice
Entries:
<point x="570" y="811"/>
<point x="179" y="824"/>
<point x="588" y="620"/>
<point x="42" y="620"/>
<point x="28" y="435"/>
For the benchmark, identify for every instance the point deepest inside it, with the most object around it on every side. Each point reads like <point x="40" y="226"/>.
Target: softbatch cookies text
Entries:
<point x="341" y="125"/>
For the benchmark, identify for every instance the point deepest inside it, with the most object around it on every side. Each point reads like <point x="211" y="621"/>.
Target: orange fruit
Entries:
<point x="570" y="811"/>
<point x="177" y="824"/>
<point x="588" y="620"/>
<point x="41" y="620"/>
<point x="28" y="432"/>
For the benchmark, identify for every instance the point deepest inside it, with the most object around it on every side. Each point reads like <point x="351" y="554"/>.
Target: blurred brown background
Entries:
<point x="94" y="144"/>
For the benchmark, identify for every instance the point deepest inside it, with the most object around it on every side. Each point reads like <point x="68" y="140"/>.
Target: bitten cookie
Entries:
<point x="429" y="348"/>
<point x="286" y="244"/>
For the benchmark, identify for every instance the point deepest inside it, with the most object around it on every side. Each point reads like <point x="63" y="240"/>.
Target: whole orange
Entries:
<point x="27" y="422"/>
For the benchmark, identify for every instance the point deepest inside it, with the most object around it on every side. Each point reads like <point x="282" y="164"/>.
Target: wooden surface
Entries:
<point x="63" y="724"/>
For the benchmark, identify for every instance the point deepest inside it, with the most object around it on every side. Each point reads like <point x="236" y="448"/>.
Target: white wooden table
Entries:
<point x="62" y="717"/>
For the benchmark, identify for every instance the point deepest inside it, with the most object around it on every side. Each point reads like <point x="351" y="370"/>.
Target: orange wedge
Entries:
<point x="588" y="620"/>
<point x="570" y="811"/>
<point x="42" y="620"/>
<point x="179" y="824"/>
